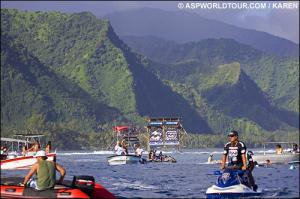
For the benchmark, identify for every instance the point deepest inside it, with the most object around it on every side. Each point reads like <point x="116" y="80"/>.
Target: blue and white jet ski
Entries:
<point x="231" y="184"/>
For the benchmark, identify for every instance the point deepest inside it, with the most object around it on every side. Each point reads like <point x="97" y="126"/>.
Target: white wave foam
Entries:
<point x="87" y="153"/>
<point x="266" y="151"/>
<point x="104" y="152"/>
<point x="204" y="152"/>
<point x="138" y="185"/>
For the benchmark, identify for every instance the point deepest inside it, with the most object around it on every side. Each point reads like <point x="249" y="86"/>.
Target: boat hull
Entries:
<point x="276" y="158"/>
<point x="231" y="192"/>
<point x="23" y="162"/>
<point x="123" y="159"/>
<point x="9" y="189"/>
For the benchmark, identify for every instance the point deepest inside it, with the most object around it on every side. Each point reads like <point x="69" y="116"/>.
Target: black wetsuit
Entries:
<point x="250" y="161"/>
<point x="250" y="167"/>
<point x="235" y="153"/>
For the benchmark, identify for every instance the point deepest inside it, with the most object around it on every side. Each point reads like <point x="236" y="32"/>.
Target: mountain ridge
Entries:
<point x="89" y="79"/>
<point x="269" y="72"/>
<point x="185" y="27"/>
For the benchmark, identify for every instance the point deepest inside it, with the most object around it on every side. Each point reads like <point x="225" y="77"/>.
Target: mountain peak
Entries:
<point x="184" y="27"/>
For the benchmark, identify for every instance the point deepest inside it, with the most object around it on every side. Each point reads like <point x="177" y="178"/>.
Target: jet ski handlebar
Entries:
<point x="238" y="171"/>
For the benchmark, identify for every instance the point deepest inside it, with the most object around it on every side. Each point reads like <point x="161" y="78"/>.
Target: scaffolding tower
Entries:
<point x="165" y="132"/>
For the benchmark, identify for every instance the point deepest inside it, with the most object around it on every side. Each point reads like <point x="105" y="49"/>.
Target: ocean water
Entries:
<point x="189" y="177"/>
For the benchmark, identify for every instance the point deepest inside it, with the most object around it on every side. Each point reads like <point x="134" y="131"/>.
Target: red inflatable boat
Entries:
<point x="80" y="187"/>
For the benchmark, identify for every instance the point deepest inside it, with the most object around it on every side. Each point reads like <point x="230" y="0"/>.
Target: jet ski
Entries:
<point x="231" y="184"/>
<point x="80" y="187"/>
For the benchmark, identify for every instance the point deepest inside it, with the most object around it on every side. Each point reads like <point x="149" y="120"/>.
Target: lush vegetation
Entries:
<point x="71" y="78"/>
<point x="278" y="77"/>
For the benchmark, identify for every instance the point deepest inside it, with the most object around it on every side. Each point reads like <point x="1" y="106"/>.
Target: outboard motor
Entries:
<point x="84" y="183"/>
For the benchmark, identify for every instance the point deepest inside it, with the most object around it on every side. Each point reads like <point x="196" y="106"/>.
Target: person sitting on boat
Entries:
<point x="279" y="149"/>
<point x="250" y="167"/>
<point x="45" y="172"/>
<point x="24" y="150"/>
<point x="48" y="147"/>
<point x="3" y="153"/>
<point x="160" y="156"/>
<point x="124" y="145"/>
<point x="3" y="150"/>
<point x="151" y="155"/>
<point x="236" y="152"/>
<point x="167" y="158"/>
<point x="295" y="148"/>
<point x="157" y="155"/>
<point x="35" y="147"/>
<point x="138" y="151"/>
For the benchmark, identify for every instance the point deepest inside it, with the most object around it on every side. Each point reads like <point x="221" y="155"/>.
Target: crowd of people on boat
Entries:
<point x="121" y="148"/>
<point x="44" y="171"/>
<point x="279" y="149"/>
<point x="157" y="156"/>
<point x="32" y="149"/>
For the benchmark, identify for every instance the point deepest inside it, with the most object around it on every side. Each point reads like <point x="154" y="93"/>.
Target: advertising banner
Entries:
<point x="155" y="136"/>
<point x="172" y="136"/>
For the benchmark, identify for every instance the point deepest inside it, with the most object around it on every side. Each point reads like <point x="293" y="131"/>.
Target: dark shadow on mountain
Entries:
<point x="154" y="99"/>
<point x="246" y="99"/>
<point x="52" y="86"/>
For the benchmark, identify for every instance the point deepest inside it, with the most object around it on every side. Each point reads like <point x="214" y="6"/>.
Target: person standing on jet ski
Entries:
<point x="250" y="168"/>
<point x="236" y="152"/>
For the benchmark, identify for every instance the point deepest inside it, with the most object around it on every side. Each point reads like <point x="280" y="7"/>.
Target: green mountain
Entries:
<point x="277" y="77"/>
<point x="70" y="74"/>
<point x="31" y="91"/>
<point x="86" y="52"/>
<point x="258" y="94"/>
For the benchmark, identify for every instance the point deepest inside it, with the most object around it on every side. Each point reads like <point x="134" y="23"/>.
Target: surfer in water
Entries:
<point x="211" y="160"/>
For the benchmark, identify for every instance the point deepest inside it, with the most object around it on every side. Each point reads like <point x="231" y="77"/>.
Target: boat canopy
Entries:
<point x="29" y="135"/>
<point x="121" y="128"/>
<point x="13" y="140"/>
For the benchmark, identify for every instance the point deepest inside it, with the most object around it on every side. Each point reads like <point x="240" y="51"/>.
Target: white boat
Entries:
<point x="284" y="158"/>
<point x="130" y="136"/>
<point x="123" y="159"/>
<point x="23" y="162"/>
<point x="14" y="159"/>
<point x="273" y="158"/>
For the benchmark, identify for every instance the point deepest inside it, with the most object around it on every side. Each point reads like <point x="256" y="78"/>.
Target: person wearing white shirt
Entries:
<point x="138" y="151"/>
<point x="119" y="149"/>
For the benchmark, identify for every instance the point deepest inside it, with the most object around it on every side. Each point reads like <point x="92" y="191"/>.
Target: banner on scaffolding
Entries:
<point x="156" y="136"/>
<point x="172" y="136"/>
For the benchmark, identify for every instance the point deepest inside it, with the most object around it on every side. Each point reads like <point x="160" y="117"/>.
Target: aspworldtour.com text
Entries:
<point x="238" y="5"/>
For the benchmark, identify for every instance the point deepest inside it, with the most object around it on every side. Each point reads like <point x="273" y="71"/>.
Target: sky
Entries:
<point x="276" y="20"/>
